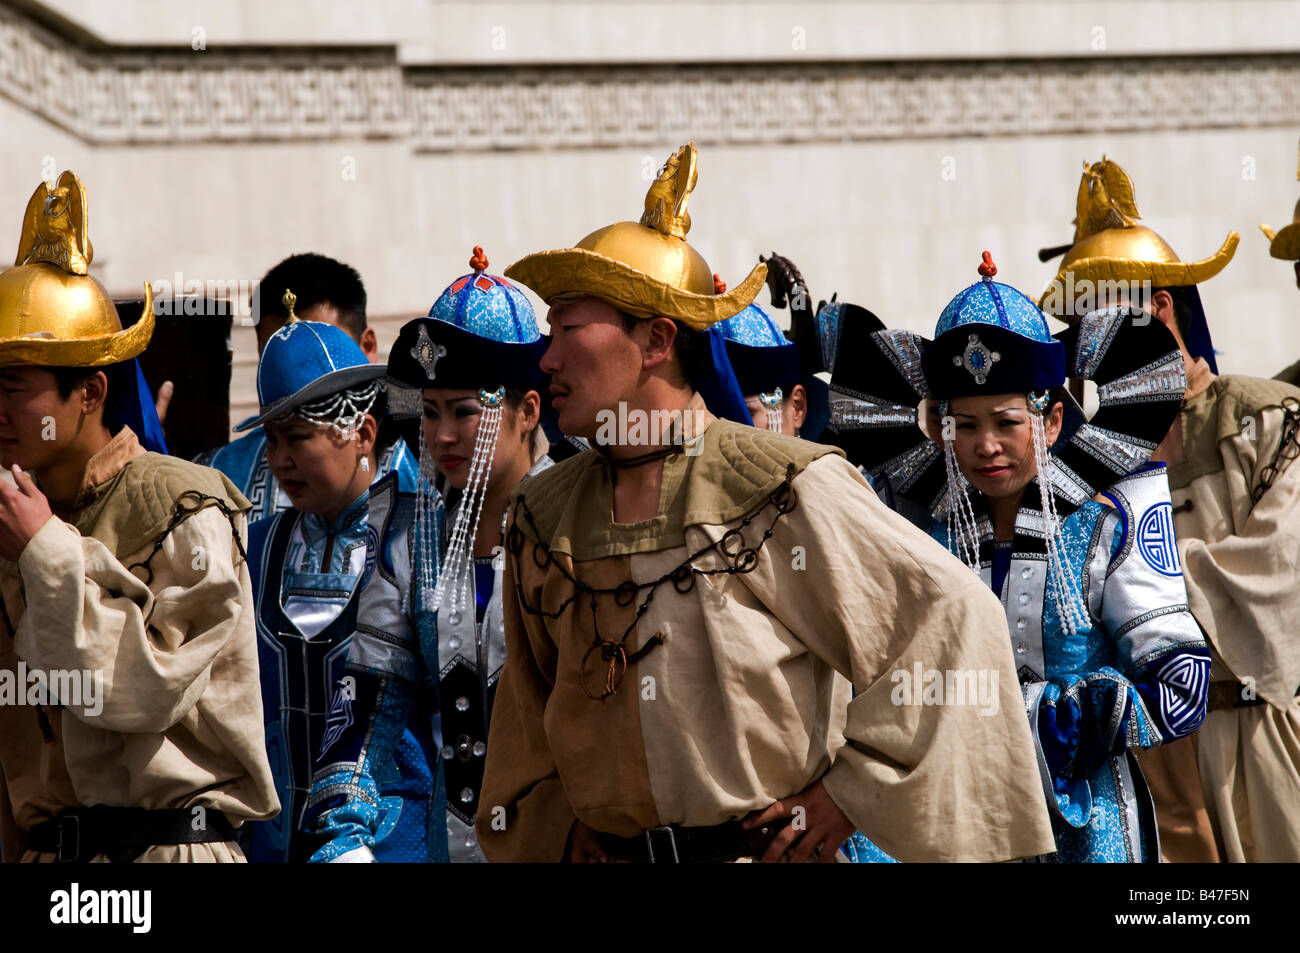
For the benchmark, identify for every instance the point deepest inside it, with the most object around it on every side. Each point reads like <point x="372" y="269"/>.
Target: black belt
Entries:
<point x="1225" y="695"/>
<point x="124" y="833"/>
<point x="671" y="844"/>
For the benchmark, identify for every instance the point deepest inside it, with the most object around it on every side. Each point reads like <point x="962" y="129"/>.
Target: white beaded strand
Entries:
<point x="962" y="532"/>
<point x="428" y="546"/>
<point x="458" y="564"/>
<point x="774" y="404"/>
<point x="345" y="411"/>
<point x="1067" y="602"/>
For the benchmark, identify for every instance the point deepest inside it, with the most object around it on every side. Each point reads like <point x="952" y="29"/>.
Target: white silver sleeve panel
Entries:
<point x="1143" y="606"/>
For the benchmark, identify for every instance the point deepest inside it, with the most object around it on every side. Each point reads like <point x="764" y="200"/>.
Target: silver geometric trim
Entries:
<point x="903" y="348"/>
<point x="855" y="413"/>
<point x="1120" y="452"/>
<point x="904" y="469"/>
<point x="1162" y="380"/>
<point x="1067" y="484"/>
<point x="124" y="94"/>
<point x="1096" y="332"/>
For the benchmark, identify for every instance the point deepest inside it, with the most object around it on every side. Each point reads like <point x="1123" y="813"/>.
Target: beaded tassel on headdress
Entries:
<point x="458" y="566"/>
<point x="1072" y="613"/>
<point x="345" y="411"/>
<point x="459" y="562"/>
<point x="774" y="404"/>
<point x="962" y="534"/>
<point x="428" y="546"/>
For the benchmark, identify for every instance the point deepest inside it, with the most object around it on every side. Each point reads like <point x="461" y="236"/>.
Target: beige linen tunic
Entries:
<point x="1241" y="563"/>
<point x="181" y="719"/>
<point x="748" y="698"/>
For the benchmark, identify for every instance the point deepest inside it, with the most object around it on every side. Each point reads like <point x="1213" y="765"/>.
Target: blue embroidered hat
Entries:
<point x="991" y="339"/>
<point x="304" y="361"/>
<point x="484" y="328"/>
<point x="763" y="358"/>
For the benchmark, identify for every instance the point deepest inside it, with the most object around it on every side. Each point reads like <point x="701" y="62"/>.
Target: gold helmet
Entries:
<point x="1285" y="244"/>
<point x="645" y="268"/>
<point x="1109" y="245"/>
<point x="52" y="312"/>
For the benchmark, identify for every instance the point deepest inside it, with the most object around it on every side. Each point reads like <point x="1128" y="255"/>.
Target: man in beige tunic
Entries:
<point x="689" y="625"/>
<point x="123" y="584"/>
<point x="1231" y="791"/>
<point x="1284" y="243"/>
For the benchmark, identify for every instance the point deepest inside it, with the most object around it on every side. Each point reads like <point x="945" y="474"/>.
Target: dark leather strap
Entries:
<point x="1225" y="695"/>
<point x="672" y="844"/>
<point x="124" y="833"/>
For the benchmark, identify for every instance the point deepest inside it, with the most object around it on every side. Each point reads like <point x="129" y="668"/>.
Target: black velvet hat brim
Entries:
<point x="470" y="363"/>
<point x="1022" y="365"/>
<point x="761" y="370"/>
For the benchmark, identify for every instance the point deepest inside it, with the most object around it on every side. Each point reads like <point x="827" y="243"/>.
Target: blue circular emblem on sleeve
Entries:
<point x="1156" y="541"/>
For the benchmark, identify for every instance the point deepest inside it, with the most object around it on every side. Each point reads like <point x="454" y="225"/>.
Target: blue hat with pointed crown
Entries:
<point x="992" y="339"/>
<point x="305" y="361"/>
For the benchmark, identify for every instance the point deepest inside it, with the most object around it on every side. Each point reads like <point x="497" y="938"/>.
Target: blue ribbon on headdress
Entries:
<point x="717" y="383"/>
<point x="136" y="409"/>
<point x="1197" y="336"/>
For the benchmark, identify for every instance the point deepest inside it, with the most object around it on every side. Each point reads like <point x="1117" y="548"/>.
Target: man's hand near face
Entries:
<point x="23" y="511"/>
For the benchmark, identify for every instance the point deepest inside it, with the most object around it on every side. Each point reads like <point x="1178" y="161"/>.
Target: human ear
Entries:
<point x="799" y="405"/>
<point x="660" y="333"/>
<point x="369" y="344"/>
<point x="367" y="433"/>
<point x="1163" y="304"/>
<point x="1052" y="425"/>
<point x="94" y="392"/>
<point x="929" y="420"/>
<point x="530" y="412"/>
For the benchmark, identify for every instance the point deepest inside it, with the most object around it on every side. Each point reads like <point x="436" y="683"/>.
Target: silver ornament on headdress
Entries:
<point x="773" y="403"/>
<point x="344" y="412"/>
<point x="978" y="359"/>
<point x="427" y="353"/>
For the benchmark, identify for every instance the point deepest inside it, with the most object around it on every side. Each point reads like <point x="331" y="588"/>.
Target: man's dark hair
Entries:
<point x="693" y="351"/>
<point x="314" y="279"/>
<point x="120" y="377"/>
<point x="1183" y="307"/>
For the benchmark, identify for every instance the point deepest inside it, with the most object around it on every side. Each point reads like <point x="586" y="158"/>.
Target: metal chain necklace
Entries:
<point x="1287" y="449"/>
<point x="739" y="558"/>
<point x="187" y="504"/>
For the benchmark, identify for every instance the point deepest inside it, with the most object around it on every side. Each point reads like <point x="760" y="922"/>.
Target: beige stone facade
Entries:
<point x="880" y="146"/>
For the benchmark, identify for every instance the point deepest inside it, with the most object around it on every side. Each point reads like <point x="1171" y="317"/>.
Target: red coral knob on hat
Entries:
<point x="479" y="261"/>
<point x="987" y="268"/>
<point x="719" y="286"/>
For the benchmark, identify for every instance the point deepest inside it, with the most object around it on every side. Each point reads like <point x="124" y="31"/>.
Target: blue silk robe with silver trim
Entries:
<point x="1137" y="676"/>
<point x="409" y="664"/>
<point x="305" y="580"/>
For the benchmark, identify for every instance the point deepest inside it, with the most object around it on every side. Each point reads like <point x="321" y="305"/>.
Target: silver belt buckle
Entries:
<point x="663" y="830"/>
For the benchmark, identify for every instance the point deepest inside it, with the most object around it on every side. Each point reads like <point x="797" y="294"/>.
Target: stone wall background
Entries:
<point x="880" y="146"/>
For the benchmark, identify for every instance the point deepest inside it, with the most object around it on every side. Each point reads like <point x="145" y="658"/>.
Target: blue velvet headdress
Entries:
<point x="480" y="334"/>
<point x="1134" y="361"/>
<point x="766" y="362"/>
